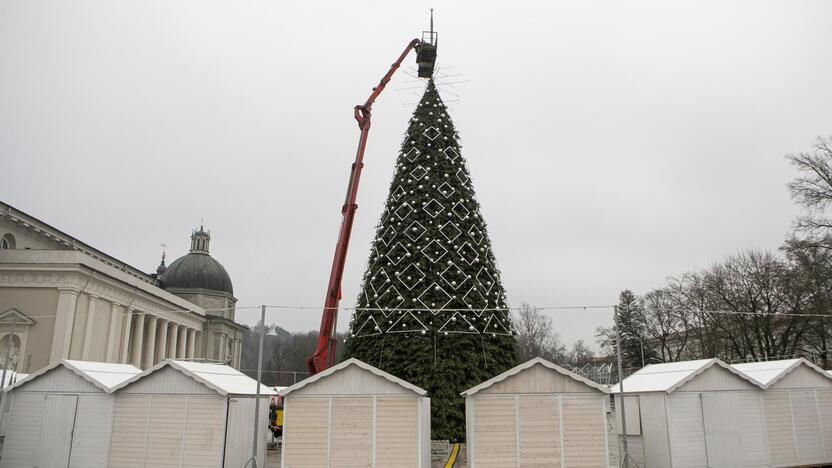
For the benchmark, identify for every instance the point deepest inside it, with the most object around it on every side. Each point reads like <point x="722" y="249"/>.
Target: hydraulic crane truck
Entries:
<point x="324" y="356"/>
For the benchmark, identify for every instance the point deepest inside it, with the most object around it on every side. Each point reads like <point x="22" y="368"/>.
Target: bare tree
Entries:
<point x="536" y="337"/>
<point x="813" y="189"/>
<point x="666" y="322"/>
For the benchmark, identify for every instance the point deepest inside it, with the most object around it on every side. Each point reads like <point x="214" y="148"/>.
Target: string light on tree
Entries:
<point x="433" y="287"/>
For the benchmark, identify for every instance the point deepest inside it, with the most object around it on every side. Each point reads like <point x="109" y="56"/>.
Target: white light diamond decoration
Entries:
<point x="451" y="153"/>
<point x="474" y="299"/>
<point x="446" y="190"/>
<point x="414" y="231"/>
<point x="434" y="251"/>
<point x="397" y="253"/>
<point x="462" y="176"/>
<point x="454" y="277"/>
<point x="435" y="297"/>
<point x="398" y="193"/>
<point x="379" y="282"/>
<point x="460" y="210"/>
<point x="432" y="133"/>
<point x="411" y="276"/>
<point x="485" y="279"/>
<point x="468" y="253"/>
<point x="412" y="155"/>
<point x="433" y="208"/>
<point x="389" y="235"/>
<point x="404" y="210"/>
<point x="418" y="172"/>
<point x="476" y="235"/>
<point x="450" y="231"/>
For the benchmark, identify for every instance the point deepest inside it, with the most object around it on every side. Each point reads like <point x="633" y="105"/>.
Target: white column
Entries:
<point x="181" y="341"/>
<point x="138" y="339"/>
<point x="162" y="343"/>
<point x="191" y="342"/>
<point x="112" y="334"/>
<point x="173" y="336"/>
<point x="64" y="320"/>
<point x="150" y="342"/>
<point x="125" y="335"/>
<point x="88" y="330"/>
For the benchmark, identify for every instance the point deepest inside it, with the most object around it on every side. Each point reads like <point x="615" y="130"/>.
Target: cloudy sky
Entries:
<point x="612" y="144"/>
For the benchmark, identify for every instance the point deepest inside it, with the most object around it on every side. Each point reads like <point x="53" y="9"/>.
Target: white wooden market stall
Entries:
<point x="698" y="413"/>
<point x="354" y="414"/>
<point x="188" y="414"/>
<point x="537" y="415"/>
<point x="798" y="410"/>
<point x="61" y="415"/>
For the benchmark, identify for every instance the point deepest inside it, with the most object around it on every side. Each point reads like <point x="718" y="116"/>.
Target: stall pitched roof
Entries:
<point x="359" y="364"/>
<point x="528" y="364"/>
<point x="104" y="375"/>
<point x="221" y="378"/>
<point x="669" y="376"/>
<point x="769" y="373"/>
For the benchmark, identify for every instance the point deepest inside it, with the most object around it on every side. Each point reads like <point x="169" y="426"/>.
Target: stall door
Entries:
<point x="351" y="427"/>
<point x="540" y="423"/>
<point x="495" y="431"/>
<point x="56" y="430"/>
<point x="807" y="426"/>
<point x="687" y="434"/>
<point x="724" y="447"/>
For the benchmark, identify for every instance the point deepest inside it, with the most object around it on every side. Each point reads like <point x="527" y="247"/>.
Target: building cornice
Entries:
<point x="28" y="223"/>
<point x="68" y="269"/>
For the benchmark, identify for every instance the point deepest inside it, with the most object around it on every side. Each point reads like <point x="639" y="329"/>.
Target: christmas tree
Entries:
<point x="432" y="309"/>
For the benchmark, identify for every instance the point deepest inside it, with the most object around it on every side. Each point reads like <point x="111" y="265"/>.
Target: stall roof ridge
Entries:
<point x="667" y="377"/>
<point x="360" y="364"/>
<point x="220" y="378"/>
<point x="771" y="372"/>
<point x="104" y="375"/>
<point x="527" y="365"/>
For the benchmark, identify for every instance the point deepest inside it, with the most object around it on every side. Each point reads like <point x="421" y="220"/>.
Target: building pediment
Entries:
<point x="14" y="316"/>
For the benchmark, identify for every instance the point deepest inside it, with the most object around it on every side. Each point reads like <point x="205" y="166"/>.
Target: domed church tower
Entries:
<point x="199" y="278"/>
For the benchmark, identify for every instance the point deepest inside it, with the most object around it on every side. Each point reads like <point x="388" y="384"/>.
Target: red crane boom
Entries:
<point x="324" y="356"/>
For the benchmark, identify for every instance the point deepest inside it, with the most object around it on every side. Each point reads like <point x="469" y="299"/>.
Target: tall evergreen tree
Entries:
<point x="432" y="309"/>
<point x="634" y="351"/>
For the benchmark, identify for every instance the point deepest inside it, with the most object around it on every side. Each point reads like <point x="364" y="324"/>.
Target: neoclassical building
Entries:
<point x="61" y="298"/>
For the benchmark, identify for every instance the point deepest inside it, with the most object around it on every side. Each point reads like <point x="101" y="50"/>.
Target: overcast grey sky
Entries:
<point x="612" y="144"/>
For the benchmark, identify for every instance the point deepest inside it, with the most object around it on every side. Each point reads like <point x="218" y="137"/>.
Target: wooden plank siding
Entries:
<point x="780" y="429"/>
<point x="584" y="433"/>
<point x="806" y="426"/>
<point x="540" y="438"/>
<point x="306" y="432"/>
<point x="535" y="431"/>
<point x="204" y="432"/>
<point x="131" y="418"/>
<point x="351" y="435"/>
<point x="495" y="431"/>
<point x="91" y="441"/>
<point x="397" y="431"/>
<point x="167" y="431"/>
<point x="353" y="431"/>
<point x="824" y="397"/>
<point x="21" y="445"/>
<point x="687" y="432"/>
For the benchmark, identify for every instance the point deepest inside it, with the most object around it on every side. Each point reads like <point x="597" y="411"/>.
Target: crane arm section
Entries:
<point x="324" y="356"/>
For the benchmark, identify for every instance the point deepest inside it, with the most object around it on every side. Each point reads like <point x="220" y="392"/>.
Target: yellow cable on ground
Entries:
<point x="452" y="457"/>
